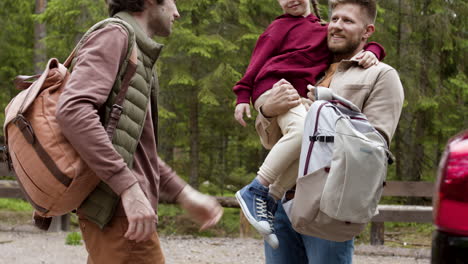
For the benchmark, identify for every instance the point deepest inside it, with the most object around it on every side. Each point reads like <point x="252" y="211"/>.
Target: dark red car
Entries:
<point x="450" y="240"/>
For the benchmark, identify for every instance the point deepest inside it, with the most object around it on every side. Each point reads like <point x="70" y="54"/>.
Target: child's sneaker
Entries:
<point x="253" y="202"/>
<point x="272" y="240"/>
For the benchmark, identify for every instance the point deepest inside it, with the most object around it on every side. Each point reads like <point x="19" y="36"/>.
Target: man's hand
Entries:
<point x="239" y="113"/>
<point x="283" y="97"/>
<point x="141" y="216"/>
<point x="203" y="209"/>
<point x="366" y="59"/>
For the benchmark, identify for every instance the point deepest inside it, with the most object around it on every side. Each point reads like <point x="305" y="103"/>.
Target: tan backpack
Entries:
<point x="52" y="176"/>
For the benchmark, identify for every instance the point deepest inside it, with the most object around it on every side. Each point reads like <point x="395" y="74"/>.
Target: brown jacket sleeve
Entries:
<point x="170" y="185"/>
<point x="86" y="91"/>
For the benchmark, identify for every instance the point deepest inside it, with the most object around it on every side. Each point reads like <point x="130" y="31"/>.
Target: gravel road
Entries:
<point x="31" y="247"/>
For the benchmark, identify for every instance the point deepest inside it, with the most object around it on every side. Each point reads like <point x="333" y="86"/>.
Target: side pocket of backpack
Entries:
<point x="306" y="203"/>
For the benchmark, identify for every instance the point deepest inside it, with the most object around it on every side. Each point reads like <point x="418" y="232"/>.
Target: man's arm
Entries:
<point x="170" y="185"/>
<point x="77" y="114"/>
<point x="86" y="91"/>
<point x="203" y="209"/>
<point x="384" y="105"/>
<point x="282" y="97"/>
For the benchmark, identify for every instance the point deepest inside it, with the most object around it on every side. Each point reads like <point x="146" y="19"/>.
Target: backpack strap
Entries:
<point x="117" y="107"/>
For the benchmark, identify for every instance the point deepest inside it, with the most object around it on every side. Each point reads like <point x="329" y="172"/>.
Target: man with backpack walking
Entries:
<point x="377" y="91"/>
<point x="128" y="163"/>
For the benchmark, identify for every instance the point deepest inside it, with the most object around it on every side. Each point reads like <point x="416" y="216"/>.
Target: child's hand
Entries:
<point x="366" y="59"/>
<point x="239" y="113"/>
<point x="311" y="93"/>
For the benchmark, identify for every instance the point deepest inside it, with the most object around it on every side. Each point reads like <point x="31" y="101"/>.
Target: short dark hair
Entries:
<point x="115" y="6"/>
<point x="370" y="6"/>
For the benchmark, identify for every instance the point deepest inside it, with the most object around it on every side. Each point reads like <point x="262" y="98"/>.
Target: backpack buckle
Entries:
<point x="25" y="127"/>
<point x="325" y="139"/>
<point x="116" y="111"/>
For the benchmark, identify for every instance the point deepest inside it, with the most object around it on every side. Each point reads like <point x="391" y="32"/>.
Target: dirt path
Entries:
<point x="29" y="247"/>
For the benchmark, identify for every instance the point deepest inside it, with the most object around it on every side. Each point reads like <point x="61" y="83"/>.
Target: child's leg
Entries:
<point x="254" y="197"/>
<point x="285" y="181"/>
<point x="287" y="150"/>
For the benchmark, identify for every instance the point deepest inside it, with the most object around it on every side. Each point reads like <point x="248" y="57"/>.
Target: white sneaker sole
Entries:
<point x="263" y="227"/>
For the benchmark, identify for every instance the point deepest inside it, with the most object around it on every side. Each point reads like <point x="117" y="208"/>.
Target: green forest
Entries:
<point x="208" y="52"/>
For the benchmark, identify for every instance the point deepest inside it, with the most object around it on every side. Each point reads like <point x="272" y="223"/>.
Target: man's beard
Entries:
<point x="349" y="47"/>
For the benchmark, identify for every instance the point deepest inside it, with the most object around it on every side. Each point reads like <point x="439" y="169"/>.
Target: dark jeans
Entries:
<point x="301" y="249"/>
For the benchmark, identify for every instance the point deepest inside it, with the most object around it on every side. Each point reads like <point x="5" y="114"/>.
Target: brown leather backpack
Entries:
<point x="52" y="176"/>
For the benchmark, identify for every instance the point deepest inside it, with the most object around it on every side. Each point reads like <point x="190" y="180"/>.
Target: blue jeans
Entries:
<point x="301" y="249"/>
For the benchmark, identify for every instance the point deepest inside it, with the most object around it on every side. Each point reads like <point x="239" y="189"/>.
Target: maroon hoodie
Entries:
<point x="293" y="48"/>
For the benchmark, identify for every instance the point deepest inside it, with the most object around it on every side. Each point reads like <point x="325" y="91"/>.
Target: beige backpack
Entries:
<point x="342" y="170"/>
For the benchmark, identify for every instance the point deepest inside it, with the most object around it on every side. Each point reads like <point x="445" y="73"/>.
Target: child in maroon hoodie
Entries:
<point x="293" y="47"/>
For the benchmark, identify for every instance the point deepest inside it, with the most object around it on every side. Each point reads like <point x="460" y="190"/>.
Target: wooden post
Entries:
<point x="377" y="233"/>
<point x="65" y="221"/>
<point x="245" y="228"/>
<point x="56" y="225"/>
<point x="60" y="223"/>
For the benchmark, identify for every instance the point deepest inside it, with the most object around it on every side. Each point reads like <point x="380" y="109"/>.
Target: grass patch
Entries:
<point x="15" y="218"/>
<point x="15" y="211"/>
<point x="73" y="239"/>
<point x="15" y="205"/>
<point x="409" y="235"/>
<point x="406" y="235"/>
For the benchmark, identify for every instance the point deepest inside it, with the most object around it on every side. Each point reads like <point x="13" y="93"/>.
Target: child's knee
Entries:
<point x="295" y="137"/>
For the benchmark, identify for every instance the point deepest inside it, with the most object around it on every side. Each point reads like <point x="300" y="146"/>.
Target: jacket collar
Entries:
<point x="148" y="46"/>
<point x="346" y="64"/>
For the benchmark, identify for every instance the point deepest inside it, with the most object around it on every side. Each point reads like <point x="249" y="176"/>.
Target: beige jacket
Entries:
<point x="377" y="91"/>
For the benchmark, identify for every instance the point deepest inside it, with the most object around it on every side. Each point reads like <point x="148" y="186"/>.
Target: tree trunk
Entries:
<point x="193" y="106"/>
<point x="194" y="137"/>
<point x="224" y="164"/>
<point x="404" y="137"/>
<point x="40" y="55"/>
<point x="398" y="134"/>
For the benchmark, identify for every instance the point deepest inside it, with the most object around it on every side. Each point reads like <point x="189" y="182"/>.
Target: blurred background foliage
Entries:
<point x="209" y="50"/>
